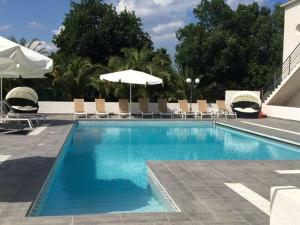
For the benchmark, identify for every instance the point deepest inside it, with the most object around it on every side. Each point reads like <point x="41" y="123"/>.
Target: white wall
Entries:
<point x="295" y="100"/>
<point x="282" y="112"/>
<point x="111" y="107"/>
<point x="291" y="21"/>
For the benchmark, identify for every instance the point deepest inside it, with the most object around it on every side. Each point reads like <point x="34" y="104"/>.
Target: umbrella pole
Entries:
<point x="130" y="100"/>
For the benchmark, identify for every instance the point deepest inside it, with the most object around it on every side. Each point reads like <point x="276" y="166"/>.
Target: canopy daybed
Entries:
<point x="246" y="104"/>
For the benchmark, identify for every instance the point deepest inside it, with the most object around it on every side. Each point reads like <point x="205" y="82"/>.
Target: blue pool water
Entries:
<point x="102" y="166"/>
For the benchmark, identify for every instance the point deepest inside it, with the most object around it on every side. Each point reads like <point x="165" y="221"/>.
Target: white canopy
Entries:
<point x="23" y="92"/>
<point x="246" y="96"/>
<point x="16" y="61"/>
<point x="132" y="77"/>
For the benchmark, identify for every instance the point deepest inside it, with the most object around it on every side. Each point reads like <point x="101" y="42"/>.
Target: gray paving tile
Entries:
<point x="97" y="219"/>
<point x="256" y="218"/>
<point x="228" y="223"/>
<point x="143" y="217"/>
<point x="203" y="217"/>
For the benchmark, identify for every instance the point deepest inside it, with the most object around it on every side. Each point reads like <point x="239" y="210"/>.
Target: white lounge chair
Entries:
<point x="33" y="116"/>
<point x="100" y="108"/>
<point x="184" y="109"/>
<point x="203" y="109"/>
<point x="143" y="107"/>
<point x="123" y="108"/>
<point x="79" y="108"/>
<point x="28" y="121"/>
<point x="223" y="111"/>
<point x="163" y="108"/>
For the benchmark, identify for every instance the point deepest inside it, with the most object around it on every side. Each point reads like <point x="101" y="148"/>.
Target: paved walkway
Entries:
<point x="197" y="187"/>
<point x="267" y="125"/>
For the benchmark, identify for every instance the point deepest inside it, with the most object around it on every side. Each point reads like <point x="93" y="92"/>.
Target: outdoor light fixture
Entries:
<point x="193" y="84"/>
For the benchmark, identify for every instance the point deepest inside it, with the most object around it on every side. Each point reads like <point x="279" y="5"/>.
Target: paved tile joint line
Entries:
<point x="272" y="128"/>
<point x="38" y="130"/>
<point x="4" y="157"/>
<point x="288" y="171"/>
<point x="251" y="196"/>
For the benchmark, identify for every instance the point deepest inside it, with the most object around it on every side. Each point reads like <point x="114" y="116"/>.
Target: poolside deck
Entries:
<point x="197" y="187"/>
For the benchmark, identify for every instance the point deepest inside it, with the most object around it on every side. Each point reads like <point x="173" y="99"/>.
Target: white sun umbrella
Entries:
<point x="16" y="61"/>
<point x="132" y="77"/>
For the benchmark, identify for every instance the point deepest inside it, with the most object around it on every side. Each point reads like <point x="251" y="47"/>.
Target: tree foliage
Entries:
<point x="157" y="63"/>
<point x="93" y="29"/>
<point x="232" y="49"/>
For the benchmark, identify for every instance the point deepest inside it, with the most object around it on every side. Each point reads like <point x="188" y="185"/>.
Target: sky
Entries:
<point x="161" y="18"/>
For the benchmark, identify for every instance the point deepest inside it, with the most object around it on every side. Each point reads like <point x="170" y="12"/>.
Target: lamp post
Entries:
<point x="193" y="84"/>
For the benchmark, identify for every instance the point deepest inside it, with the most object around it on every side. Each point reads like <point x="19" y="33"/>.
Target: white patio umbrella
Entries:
<point x="16" y="61"/>
<point x="132" y="77"/>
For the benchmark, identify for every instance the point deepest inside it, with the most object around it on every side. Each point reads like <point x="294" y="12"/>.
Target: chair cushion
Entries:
<point x="24" y="108"/>
<point x="246" y="110"/>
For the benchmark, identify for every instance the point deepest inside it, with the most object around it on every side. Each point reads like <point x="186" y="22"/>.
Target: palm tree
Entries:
<point x="157" y="63"/>
<point x="74" y="78"/>
<point x="35" y="44"/>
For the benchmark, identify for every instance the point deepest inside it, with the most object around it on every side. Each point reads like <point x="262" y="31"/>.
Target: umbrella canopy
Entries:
<point x="16" y="61"/>
<point x="132" y="77"/>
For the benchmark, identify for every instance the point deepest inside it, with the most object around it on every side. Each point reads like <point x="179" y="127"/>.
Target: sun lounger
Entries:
<point x="143" y="107"/>
<point x="162" y="108"/>
<point x="184" y="109"/>
<point x="223" y="111"/>
<point x="203" y="109"/>
<point x="100" y="108"/>
<point x="28" y="121"/>
<point x="11" y="113"/>
<point x="123" y="108"/>
<point x="79" y="108"/>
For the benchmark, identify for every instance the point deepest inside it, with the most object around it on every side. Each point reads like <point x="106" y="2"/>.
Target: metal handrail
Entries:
<point x="281" y="73"/>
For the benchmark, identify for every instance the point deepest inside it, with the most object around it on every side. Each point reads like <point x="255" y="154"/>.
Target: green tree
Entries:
<point x="231" y="49"/>
<point x="157" y="63"/>
<point x="94" y="29"/>
<point x="74" y="77"/>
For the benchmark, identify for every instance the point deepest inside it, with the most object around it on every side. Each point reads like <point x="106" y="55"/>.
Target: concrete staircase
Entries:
<point x="285" y="84"/>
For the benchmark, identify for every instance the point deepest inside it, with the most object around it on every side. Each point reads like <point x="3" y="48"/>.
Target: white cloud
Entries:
<point x="5" y="27"/>
<point x="163" y="2"/>
<point x="39" y="45"/>
<point x="160" y="18"/>
<point x="36" y="25"/>
<point x="58" y="30"/>
<point x="234" y="3"/>
<point x="167" y="27"/>
<point x="3" y="1"/>
<point x="50" y="47"/>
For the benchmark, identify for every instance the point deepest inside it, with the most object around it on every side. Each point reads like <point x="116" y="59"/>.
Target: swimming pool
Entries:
<point x="102" y="166"/>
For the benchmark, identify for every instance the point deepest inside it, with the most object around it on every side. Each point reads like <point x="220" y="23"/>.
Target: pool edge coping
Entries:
<point x="46" y="181"/>
<point x="161" y="188"/>
<point x="282" y="140"/>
